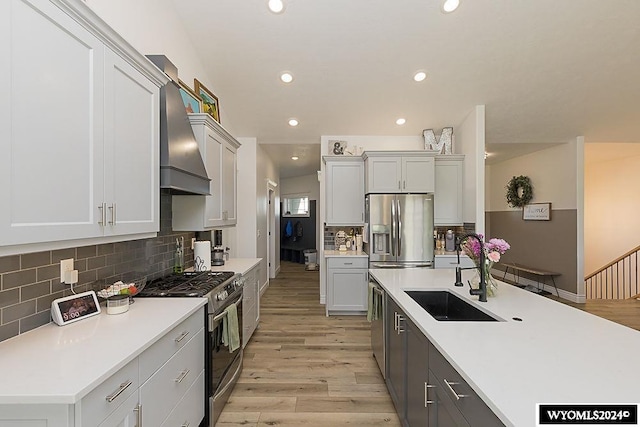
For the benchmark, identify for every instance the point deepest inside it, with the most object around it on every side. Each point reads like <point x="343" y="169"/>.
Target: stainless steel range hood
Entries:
<point x="181" y="167"/>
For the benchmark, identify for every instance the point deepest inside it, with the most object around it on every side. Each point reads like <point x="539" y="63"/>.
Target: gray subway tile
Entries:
<point x="9" y="330"/>
<point x="18" y="311"/>
<point x="44" y="303"/>
<point x="9" y="263"/>
<point x="60" y="254"/>
<point x="96" y="262"/>
<point x="106" y="249"/>
<point x="35" y="259"/>
<point x="48" y="272"/>
<point x="86" y="251"/>
<point x="18" y="278"/>
<point x="34" y="291"/>
<point x="35" y="320"/>
<point x="10" y="297"/>
<point x="87" y="276"/>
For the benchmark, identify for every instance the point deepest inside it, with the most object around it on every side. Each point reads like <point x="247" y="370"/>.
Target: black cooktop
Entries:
<point x="190" y="284"/>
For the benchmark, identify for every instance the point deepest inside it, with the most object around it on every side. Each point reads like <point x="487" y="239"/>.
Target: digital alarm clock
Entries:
<point x="74" y="307"/>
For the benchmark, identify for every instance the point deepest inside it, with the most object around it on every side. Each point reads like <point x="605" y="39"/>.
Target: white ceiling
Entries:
<point x="547" y="70"/>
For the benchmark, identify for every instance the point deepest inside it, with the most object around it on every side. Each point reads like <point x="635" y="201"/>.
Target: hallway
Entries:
<point x="302" y="368"/>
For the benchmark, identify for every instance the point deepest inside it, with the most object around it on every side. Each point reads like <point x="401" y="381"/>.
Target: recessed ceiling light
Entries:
<point x="276" y="6"/>
<point x="450" y="5"/>
<point x="286" y="77"/>
<point x="400" y="121"/>
<point x="419" y="76"/>
<point x="293" y="122"/>
<point x="294" y="157"/>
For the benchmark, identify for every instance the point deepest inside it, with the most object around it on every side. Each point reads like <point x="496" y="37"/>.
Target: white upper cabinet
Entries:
<point x="399" y="172"/>
<point x="219" y="152"/>
<point x="131" y="149"/>
<point x="78" y="128"/>
<point x="344" y="186"/>
<point x="448" y="200"/>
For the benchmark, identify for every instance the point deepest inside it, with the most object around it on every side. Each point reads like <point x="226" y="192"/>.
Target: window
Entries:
<point x="295" y="206"/>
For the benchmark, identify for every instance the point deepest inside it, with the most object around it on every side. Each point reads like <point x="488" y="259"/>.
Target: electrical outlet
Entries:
<point x="65" y="265"/>
<point x="193" y="242"/>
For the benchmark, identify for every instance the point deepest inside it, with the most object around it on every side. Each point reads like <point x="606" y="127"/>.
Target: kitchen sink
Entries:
<point x="447" y="307"/>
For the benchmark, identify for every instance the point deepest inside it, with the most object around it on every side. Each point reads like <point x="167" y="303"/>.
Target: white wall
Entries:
<point x="552" y="172"/>
<point x="611" y="208"/>
<point x="155" y="27"/>
<point x="255" y="168"/>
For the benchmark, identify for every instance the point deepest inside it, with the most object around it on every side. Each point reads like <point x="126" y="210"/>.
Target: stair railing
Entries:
<point x="616" y="280"/>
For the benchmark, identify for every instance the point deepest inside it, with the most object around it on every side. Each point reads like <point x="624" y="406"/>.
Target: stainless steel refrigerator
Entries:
<point x="400" y="230"/>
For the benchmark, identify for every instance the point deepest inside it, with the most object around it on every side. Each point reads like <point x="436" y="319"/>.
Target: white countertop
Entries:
<point x="332" y="253"/>
<point x="61" y="364"/>
<point x="238" y="265"/>
<point x="556" y="354"/>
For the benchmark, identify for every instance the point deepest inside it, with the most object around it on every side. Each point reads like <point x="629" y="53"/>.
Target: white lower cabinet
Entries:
<point x="250" y="303"/>
<point x="347" y="284"/>
<point x="165" y="382"/>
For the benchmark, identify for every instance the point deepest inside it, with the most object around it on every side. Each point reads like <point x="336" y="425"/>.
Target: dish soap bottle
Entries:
<point x="178" y="259"/>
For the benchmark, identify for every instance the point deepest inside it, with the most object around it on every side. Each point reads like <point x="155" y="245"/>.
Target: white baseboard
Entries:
<point x="264" y="287"/>
<point x="569" y="296"/>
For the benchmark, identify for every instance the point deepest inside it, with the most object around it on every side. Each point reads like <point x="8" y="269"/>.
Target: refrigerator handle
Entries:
<point x="393" y="228"/>
<point x="399" y="228"/>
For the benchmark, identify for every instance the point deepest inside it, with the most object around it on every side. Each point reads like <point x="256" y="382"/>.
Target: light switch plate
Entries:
<point x="65" y="265"/>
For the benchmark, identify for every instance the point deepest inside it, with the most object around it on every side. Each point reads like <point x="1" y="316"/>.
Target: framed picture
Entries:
<point x="537" y="212"/>
<point x="210" y="103"/>
<point x="192" y="102"/>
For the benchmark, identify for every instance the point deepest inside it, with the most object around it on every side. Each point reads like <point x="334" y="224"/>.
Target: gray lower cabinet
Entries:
<point x="418" y="386"/>
<point x="426" y="390"/>
<point x="464" y="398"/>
<point x="396" y="357"/>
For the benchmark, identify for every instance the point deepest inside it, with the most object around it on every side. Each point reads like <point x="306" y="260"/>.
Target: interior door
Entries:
<point x="415" y="227"/>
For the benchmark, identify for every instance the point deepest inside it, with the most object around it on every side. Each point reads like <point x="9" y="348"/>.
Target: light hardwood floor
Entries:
<point x="304" y="369"/>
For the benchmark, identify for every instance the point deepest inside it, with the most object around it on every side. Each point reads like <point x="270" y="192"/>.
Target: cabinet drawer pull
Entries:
<point x="185" y="424"/>
<point x="110" y="398"/>
<point x="138" y="411"/>
<point x="182" y="336"/>
<point x="182" y="376"/>
<point x="426" y="396"/>
<point x="449" y="385"/>
<point x="348" y="263"/>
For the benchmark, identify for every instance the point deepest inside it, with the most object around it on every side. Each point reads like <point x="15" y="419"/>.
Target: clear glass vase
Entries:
<point x="492" y="284"/>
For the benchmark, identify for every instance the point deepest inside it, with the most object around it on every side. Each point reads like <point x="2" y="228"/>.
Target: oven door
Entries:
<point x="222" y="367"/>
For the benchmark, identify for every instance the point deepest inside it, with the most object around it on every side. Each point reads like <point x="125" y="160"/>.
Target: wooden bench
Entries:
<point x="542" y="275"/>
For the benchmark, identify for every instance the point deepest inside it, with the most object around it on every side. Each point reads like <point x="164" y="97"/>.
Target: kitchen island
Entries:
<point x="555" y="354"/>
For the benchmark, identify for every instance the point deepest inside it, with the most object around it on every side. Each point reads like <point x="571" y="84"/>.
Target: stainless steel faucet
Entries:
<point x="482" y="290"/>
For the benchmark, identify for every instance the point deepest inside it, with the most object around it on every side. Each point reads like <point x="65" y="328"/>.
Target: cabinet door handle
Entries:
<point x="404" y="185"/>
<point x="400" y="319"/>
<point x="449" y="385"/>
<point x="182" y="376"/>
<point x="110" y="398"/>
<point x="399" y="185"/>
<point x="395" y="321"/>
<point x="185" y="424"/>
<point x="426" y="397"/>
<point x="182" y="336"/>
<point x="112" y="208"/>
<point x="138" y="411"/>
<point x="103" y="214"/>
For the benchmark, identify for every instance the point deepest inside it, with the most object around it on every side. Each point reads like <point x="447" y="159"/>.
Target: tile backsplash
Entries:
<point x="29" y="282"/>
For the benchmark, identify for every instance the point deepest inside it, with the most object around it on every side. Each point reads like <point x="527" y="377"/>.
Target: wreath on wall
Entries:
<point x="519" y="191"/>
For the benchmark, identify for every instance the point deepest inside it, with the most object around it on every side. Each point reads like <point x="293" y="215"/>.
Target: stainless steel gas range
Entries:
<point x="222" y="366"/>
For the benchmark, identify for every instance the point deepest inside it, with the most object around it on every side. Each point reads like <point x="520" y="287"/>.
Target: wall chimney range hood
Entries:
<point x="181" y="167"/>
